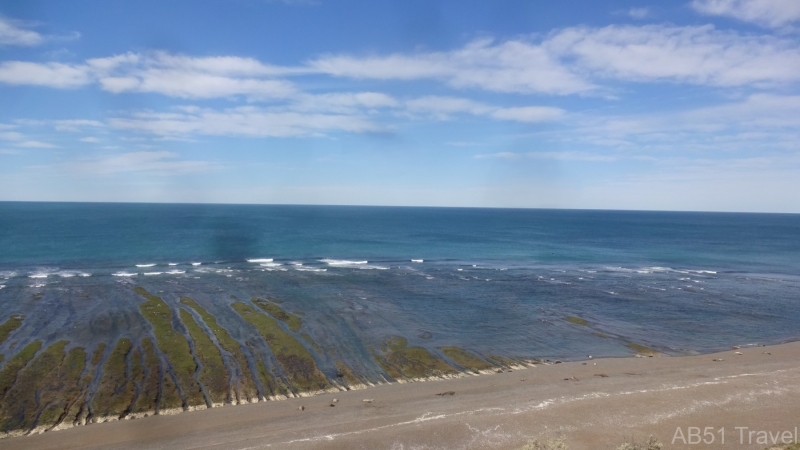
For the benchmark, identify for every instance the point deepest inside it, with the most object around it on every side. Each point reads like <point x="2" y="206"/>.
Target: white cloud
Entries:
<point x="243" y="121"/>
<point x="768" y="13"/>
<point x="443" y="107"/>
<point x="77" y="124"/>
<point x="511" y="66"/>
<point x="343" y="102"/>
<point x="566" y="61"/>
<point x="530" y="114"/>
<point x="553" y="155"/>
<point x="90" y="140"/>
<point x="698" y="55"/>
<point x="191" y="77"/>
<point x="11" y="135"/>
<point x="196" y="85"/>
<point x="15" y="33"/>
<point x="35" y="144"/>
<point x="159" y="72"/>
<point x="639" y="13"/>
<point x="54" y="75"/>
<point x="158" y="162"/>
<point x="763" y="123"/>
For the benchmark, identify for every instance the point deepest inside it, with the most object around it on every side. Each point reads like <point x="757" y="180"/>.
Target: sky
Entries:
<point x="660" y="105"/>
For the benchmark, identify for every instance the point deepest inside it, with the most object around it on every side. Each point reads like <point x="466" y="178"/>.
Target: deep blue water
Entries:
<point x="493" y="280"/>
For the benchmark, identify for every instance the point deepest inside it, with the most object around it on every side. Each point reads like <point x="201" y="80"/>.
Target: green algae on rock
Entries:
<point x="401" y="362"/>
<point x="146" y="402"/>
<point x="642" y="350"/>
<point x="350" y="379"/>
<point x="44" y="390"/>
<point x="214" y="374"/>
<point x="116" y="392"/>
<point x="272" y="386"/>
<point x="9" y="326"/>
<point x="292" y="321"/>
<point x="466" y="359"/>
<point x="11" y="370"/>
<point x="175" y="347"/>
<point x="295" y="360"/>
<point x="577" y="321"/>
<point x="245" y="388"/>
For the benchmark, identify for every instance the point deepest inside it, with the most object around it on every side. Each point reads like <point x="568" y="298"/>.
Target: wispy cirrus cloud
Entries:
<point x="700" y="55"/>
<point x="155" y="162"/>
<point x="443" y="108"/>
<point x="767" y="13"/>
<point x="567" y="61"/>
<point x="242" y="121"/>
<point x="552" y="155"/>
<point x="14" y="32"/>
<point x="573" y="60"/>
<point x="54" y="75"/>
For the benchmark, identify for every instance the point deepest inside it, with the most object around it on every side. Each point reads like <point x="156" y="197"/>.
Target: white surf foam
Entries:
<point x="152" y="273"/>
<point x="38" y="275"/>
<point x="370" y="267"/>
<point x="85" y="274"/>
<point x="260" y="260"/>
<point x="2" y="286"/>
<point x="417" y="260"/>
<point x="146" y="265"/>
<point x="342" y="262"/>
<point x="270" y="264"/>
<point x="310" y="269"/>
<point x="124" y="274"/>
<point x="196" y="264"/>
<point x="172" y="264"/>
<point x="176" y="272"/>
<point x="66" y="274"/>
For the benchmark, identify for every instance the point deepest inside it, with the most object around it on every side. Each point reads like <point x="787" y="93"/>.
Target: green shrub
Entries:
<point x="651" y="444"/>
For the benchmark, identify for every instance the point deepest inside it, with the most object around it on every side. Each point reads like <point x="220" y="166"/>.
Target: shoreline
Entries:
<point x="593" y="403"/>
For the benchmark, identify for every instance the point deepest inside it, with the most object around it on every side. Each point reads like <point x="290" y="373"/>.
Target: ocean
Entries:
<point x="494" y="281"/>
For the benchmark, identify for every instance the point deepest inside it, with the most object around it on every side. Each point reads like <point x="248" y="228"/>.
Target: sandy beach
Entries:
<point x="593" y="404"/>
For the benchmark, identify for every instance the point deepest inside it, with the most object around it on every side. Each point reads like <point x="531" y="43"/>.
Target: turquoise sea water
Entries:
<point x="496" y="281"/>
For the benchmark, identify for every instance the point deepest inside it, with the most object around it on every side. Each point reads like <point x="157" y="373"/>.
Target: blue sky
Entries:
<point x="680" y="105"/>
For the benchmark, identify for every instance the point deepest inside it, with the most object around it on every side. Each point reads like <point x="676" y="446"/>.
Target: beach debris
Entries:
<point x="594" y="364"/>
<point x="368" y="400"/>
<point x="499" y="371"/>
<point x="766" y="353"/>
<point x="601" y="375"/>
<point x="583" y="364"/>
<point x="736" y="347"/>
<point x="739" y="353"/>
<point x="332" y="404"/>
<point x="718" y="359"/>
<point x="522" y="379"/>
<point x="442" y="394"/>
<point x="590" y="356"/>
<point x="336" y="400"/>
<point x="639" y="356"/>
<point x="558" y="362"/>
<point x="302" y="408"/>
<point x="571" y="379"/>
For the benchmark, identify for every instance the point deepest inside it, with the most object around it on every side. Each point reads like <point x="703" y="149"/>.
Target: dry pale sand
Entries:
<point x="759" y="389"/>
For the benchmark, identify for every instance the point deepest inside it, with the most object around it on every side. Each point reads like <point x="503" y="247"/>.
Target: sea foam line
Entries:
<point x="260" y="260"/>
<point x="146" y="265"/>
<point x="342" y="262"/>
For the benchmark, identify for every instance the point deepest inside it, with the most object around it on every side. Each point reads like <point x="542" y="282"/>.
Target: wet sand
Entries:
<point x="595" y="404"/>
